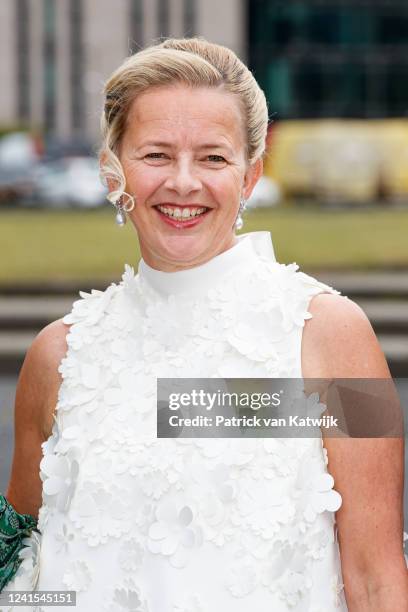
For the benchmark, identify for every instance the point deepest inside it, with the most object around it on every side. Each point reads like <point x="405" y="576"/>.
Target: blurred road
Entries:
<point x="7" y="394"/>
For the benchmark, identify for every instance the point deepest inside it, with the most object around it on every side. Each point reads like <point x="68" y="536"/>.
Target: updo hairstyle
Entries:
<point x="191" y="61"/>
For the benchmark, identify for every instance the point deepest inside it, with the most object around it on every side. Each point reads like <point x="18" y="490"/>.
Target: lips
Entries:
<point x="188" y="205"/>
<point x="176" y="215"/>
<point x="182" y="213"/>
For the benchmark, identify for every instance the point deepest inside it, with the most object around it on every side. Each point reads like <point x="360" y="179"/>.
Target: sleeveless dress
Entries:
<point x="134" y="522"/>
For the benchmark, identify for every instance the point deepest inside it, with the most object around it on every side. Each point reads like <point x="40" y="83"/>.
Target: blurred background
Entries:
<point x="335" y="190"/>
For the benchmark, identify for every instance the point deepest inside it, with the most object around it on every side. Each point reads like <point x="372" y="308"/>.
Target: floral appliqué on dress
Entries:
<point x="128" y="517"/>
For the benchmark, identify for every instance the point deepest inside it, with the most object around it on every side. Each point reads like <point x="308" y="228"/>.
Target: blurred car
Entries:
<point x="17" y="157"/>
<point x="56" y="147"/>
<point x="67" y="182"/>
<point x="266" y="193"/>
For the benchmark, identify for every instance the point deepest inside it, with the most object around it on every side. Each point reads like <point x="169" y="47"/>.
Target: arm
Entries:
<point x="36" y="397"/>
<point x="339" y="342"/>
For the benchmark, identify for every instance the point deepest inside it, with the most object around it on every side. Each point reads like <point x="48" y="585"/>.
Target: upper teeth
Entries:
<point x="183" y="213"/>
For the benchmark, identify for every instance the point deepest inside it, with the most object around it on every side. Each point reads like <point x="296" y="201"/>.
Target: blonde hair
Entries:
<point x="194" y="62"/>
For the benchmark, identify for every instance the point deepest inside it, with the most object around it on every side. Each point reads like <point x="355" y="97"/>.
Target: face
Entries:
<point x="183" y="156"/>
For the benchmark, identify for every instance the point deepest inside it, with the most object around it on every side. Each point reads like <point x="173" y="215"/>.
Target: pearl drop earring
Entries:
<point x="121" y="209"/>
<point x="120" y="216"/>
<point x="239" y="222"/>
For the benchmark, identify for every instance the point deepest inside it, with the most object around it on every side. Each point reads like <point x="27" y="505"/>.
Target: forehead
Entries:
<point x="177" y="106"/>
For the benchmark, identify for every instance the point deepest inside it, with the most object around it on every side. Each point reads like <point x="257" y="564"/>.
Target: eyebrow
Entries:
<point x="208" y="145"/>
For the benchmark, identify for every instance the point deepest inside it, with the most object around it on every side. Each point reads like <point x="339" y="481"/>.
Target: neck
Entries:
<point x="158" y="262"/>
<point x="196" y="280"/>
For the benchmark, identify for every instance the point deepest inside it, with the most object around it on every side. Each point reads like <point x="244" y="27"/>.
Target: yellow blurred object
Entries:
<point x="289" y="159"/>
<point x="347" y="162"/>
<point x="340" y="160"/>
<point x="394" y="164"/>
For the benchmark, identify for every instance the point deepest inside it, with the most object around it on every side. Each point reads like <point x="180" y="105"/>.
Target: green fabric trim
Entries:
<point x="14" y="527"/>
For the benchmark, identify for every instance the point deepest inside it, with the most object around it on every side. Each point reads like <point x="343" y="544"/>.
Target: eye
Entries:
<point x="155" y="155"/>
<point x="218" y="158"/>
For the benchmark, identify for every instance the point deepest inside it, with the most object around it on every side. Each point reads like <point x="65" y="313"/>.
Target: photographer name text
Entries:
<point x="253" y="421"/>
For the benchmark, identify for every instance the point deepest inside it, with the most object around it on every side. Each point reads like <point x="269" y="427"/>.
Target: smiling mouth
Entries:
<point x="182" y="213"/>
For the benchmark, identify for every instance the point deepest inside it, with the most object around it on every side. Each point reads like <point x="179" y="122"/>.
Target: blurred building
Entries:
<point x="56" y="54"/>
<point x="331" y="58"/>
<point x="313" y="58"/>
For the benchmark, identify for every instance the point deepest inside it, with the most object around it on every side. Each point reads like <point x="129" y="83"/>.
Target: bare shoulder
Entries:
<point x="50" y="342"/>
<point x="36" y="397"/>
<point x="339" y="341"/>
<point x="39" y="378"/>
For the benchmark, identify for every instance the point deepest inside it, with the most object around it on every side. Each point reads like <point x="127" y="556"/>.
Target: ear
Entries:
<point x="252" y="176"/>
<point x="110" y="182"/>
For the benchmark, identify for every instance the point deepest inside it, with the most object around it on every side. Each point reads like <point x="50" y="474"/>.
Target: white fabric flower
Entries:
<point x="285" y="571"/>
<point x="78" y="576"/>
<point x="236" y="365"/>
<point x="65" y="537"/>
<point x="227" y="450"/>
<point x="171" y="321"/>
<point x="30" y="555"/>
<point x="263" y="508"/>
<point x="276" y="563"/>
<point x="175" y="534"/>
<point x="214" y="491"/>
<point x="128" y="276"/>
<point x="43" y="515"/>
<point x="318" y="542"/>
<point x="281" y="456"/>
<point x="131" y="555"/>
<point x="59" y="475"/>
<point x="190" y="602"/>
<point x="129" y="599"/>
<point x="293" y="587"/>
<point x="69" y="438"/>
<point x="256" y="339"/>
<point x="92" y="305"/>
<point x="242" y="577"/>
<point x="48" y="446"/>
<point x="101" y="512"/>
<point x="315" y="489"/>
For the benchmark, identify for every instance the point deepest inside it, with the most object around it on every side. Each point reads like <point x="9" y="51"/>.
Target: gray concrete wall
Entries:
<point x="8" y="66"/>
<point x="106" y="31"/>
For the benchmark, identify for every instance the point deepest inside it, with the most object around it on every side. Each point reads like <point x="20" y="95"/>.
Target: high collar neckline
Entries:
<point x="199" y="279"/>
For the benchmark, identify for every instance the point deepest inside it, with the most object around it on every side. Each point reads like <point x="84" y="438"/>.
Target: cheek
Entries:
<point x="142" y="180"/>
<point x="228" y="178"/>
<point x="226" y="190"/>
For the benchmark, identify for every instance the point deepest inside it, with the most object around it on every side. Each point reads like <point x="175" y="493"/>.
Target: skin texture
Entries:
<point x="337" y="342"/>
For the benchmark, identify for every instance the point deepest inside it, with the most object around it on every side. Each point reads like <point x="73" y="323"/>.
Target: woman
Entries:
<point x="132" y="522"/>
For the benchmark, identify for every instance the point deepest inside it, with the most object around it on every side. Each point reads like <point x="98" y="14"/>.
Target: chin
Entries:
<point x="184" y="248"/>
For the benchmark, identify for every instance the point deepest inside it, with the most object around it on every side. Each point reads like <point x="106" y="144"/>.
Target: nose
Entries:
<point x="183" y="178"/>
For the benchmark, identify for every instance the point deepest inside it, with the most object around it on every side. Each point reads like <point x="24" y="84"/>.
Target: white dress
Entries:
<point x="135" y="522"/>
